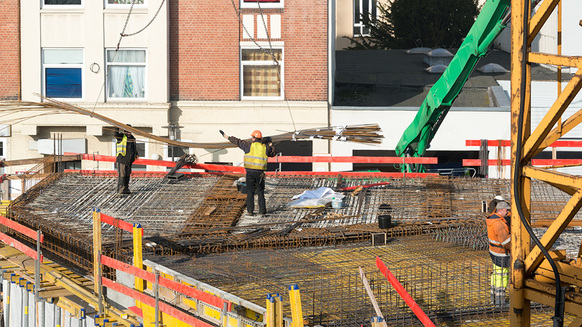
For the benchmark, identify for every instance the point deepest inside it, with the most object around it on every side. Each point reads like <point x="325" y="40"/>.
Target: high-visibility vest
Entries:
<point x="256" y="158"/>
<point x="122" y="146"/>
<point x="498" y="234"/>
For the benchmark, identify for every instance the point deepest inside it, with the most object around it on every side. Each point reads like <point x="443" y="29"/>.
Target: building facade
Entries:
<point x="180" y="69"/>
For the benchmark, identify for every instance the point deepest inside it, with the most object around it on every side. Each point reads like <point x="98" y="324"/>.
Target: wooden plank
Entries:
<point x="8" y="252"/>
<point x="54" y="293"/>
<point x="209" y="210"/>
<point x="39" y="160"/>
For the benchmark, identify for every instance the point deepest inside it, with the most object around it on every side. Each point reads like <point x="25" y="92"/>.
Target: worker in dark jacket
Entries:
<point x="255" y="162"/>
<point x="126" y="149"/>
<point x="499" y="247"/>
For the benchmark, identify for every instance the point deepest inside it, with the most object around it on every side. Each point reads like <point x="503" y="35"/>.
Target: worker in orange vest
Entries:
<point x="499" y="247"/>
<point x="255" y="162"/>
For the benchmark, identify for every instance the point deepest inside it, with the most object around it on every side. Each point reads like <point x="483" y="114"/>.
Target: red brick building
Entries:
<point x="9" y="50"/>
<point x="192" y="68"/>
<point x="206" y="38"/>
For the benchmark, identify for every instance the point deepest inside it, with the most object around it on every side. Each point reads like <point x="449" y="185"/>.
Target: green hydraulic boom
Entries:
<point x="416" y="138"/>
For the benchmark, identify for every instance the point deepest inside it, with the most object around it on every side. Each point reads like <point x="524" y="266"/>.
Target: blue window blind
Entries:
<point x="63" y="83"/>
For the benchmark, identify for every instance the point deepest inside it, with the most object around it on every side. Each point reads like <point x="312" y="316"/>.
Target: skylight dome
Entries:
<point x="492" y="68"/>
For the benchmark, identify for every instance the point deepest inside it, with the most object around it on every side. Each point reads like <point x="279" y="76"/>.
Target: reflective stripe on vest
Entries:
<point x="257" y="157"/>
<point x="122" y="146"/>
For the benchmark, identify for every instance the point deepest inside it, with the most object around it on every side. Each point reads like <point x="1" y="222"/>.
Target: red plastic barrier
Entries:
<point x="163" y="163"/>
<point x="352" y="159"/>
<point x="405" y="296"/>
<point x="557" y="144"/>
<point x="20" y="246"/>
<point x="164" y="307"/>
<point x="534" y="162"/>
<point x="351" y="174"/>
<point x="20" y="228"/>
<point x="128" y="227"/>
<point x="165" y="282"/>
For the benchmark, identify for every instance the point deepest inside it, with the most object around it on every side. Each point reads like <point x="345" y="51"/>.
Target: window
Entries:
<point x="61" y="2"/>
<point x="175" y="152"/>
<point x="363" y="8"/>
<point x="63" y="73"/>
<point x="124" y="3"/>
<point x="262" y="76"/>
<point x="126" y="74"/>
<point x="261" y="3"/>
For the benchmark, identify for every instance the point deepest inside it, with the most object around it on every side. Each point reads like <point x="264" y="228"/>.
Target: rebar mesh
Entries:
<point x="252" y="257"/>
<point x="451" y="284"/>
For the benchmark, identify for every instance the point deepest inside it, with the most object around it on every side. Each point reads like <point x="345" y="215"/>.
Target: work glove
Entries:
<point x="223" y="135"/>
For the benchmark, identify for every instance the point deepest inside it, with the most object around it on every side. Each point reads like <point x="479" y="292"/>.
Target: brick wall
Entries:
<point x="204" y="55"/>
<point x="304" y="32"/>
<point x="204" y="49"/>
<point x="9" y="50"/>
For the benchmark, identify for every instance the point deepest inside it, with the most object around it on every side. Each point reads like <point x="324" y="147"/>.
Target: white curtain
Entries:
<point x="125" y="81"/>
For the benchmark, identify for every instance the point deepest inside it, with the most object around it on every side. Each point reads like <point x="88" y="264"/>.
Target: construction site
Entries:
<point x="396" y="246"/>
<point x="196" y="228"/>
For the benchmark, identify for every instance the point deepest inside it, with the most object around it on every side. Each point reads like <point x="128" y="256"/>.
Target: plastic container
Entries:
<point x="337" y="203"/>
<point x="384" y="221"/>
<point x="242" y="187"/>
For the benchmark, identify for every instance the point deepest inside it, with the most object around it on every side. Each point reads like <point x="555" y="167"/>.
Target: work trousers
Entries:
<point x="255" y="181"/>
<point x="123" y="174"/>
<point x="499" y="279"/>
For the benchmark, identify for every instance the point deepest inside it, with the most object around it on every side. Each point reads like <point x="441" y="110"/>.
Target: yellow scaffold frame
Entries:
<point x="550" y="129"/>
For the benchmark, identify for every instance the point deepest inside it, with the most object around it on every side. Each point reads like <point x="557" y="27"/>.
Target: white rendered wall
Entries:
<point x="456" y="128"/>
<point x="203" y="120"/>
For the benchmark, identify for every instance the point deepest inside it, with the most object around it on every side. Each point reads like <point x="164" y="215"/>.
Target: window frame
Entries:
<point x="77" y="66"/>
<point x="166" y="150"/>
<point x="61" y="6"/>
<point x="373" y="6"/>
<point x="252" y="46"/>
<point x="145" y="76"/>
<point x="108" y="5"/>
<point x="264" y="5"/>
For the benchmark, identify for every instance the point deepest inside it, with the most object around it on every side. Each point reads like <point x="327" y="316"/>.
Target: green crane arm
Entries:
<point x="440" y="98"/>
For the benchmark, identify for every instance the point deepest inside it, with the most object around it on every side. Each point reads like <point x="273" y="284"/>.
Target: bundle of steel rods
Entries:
<point x="357" y="133"/>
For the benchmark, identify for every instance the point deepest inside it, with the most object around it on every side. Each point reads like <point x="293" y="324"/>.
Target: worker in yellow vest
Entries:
<point x="499" y="247"/>
<point x="126" y="151"/>
<point x="255" y="162"/>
